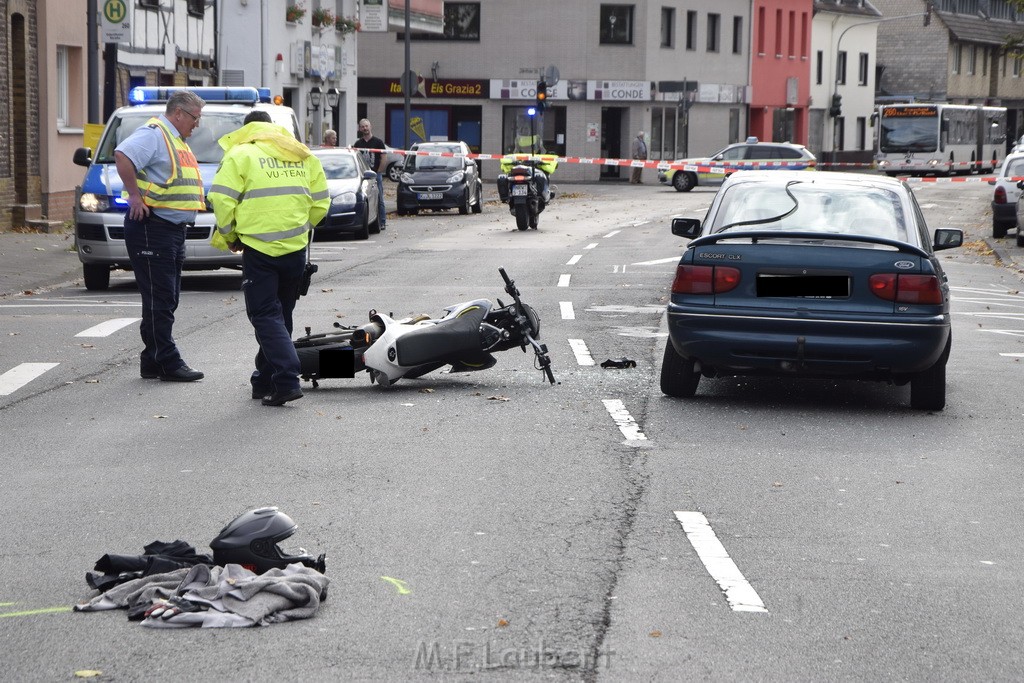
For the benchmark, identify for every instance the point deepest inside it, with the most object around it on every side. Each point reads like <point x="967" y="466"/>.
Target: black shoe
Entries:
<point x="182" y="374"/>
<point x="280" y="398"/>
<point x="149" y="374"/>
<point x="261" y="393"/>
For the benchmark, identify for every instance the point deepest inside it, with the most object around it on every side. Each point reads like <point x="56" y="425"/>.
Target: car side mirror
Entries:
<point x="948" y="238"/>
<point x="1020" y="184"/>
<point x="83" y="156"/>
<point x="686" y="227"/>
<point x="369" y="175"/>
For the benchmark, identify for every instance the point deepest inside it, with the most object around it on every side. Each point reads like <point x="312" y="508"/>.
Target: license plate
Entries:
<point x="520" y="190"/>
<point x="427" y="196"/>
<point x="803" y="286"/>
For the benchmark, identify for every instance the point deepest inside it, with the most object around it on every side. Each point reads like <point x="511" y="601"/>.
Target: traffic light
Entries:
<point x="542" y="95"/>
<point x="836" y="110"/>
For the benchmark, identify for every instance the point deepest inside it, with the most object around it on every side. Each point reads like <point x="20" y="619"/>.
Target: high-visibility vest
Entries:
<point x="269" y="190"/>
<point x="184" y="188"/>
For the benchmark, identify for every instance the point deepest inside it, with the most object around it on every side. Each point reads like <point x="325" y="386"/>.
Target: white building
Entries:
<point x="295" y="48"/>
<point x="843" y="40"/>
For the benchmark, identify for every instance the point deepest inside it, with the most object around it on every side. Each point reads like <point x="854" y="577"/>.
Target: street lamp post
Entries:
<point x="314" y="99"/>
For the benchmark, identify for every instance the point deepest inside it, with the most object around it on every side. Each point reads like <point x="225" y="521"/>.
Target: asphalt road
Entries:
<point x="490" y="524"/>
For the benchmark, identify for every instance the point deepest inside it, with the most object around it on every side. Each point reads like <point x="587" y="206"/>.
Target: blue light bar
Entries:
<point x="153" y="95"/>
<point x="264" y="94"/>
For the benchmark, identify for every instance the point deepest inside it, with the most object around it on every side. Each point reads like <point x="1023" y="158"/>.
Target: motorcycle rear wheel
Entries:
<point x="522" y="216"/>
<point x="323" y="339"/>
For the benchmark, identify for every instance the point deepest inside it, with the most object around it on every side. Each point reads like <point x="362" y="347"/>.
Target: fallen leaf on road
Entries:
<point x="497" y="398"/>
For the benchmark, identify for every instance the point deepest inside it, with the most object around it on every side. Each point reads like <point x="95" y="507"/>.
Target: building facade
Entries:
<point x="676" y="70"/>
<point x="295" y="48"/>
<point x="842" y="63"/>
<point x="20" y="180"/>
<point x="957" y="57"/>
<point x="780" y="70"/>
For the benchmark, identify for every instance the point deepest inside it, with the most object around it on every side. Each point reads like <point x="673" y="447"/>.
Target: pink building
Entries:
<point x="780" y="70"/>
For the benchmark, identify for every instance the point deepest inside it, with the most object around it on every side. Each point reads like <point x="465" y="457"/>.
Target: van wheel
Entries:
<point x="97" y="276"/>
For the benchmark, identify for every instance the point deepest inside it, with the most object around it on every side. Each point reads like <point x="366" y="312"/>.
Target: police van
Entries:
<point x="100" y="208"/>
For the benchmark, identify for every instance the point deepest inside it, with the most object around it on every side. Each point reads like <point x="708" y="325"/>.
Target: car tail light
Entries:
<point x="1000" y="197"/>
<point x="906" y="289"/>
<point x="705" y="279"/>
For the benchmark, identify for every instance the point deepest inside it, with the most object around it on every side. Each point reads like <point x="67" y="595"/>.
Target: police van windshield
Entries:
<point x="202" y="141"/>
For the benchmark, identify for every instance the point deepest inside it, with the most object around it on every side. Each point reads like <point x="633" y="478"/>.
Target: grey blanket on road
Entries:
<point x="235" y="596"/>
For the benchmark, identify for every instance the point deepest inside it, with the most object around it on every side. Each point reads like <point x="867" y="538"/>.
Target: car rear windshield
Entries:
<point x="843" y="209"/>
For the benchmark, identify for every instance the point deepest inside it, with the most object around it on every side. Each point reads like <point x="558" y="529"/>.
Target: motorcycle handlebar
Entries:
<point x="540" y="350"/>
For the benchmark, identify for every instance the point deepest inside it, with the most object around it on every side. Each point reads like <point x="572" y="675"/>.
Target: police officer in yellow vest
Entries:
<point x="267" y="195"/>
<point x="164" y="191"/>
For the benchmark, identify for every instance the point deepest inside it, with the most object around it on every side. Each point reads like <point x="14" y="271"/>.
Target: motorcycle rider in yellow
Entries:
<point x="267" y="195"/>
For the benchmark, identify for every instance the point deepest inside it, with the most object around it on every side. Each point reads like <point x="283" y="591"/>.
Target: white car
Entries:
<point x="1005" y="198"/>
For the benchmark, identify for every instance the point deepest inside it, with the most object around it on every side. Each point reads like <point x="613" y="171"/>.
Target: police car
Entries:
<point x="752" y="154"/>
<point x="99" y="206"/>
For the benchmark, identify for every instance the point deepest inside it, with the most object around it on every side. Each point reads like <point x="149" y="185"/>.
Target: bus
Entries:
<point x="940" y="139"/>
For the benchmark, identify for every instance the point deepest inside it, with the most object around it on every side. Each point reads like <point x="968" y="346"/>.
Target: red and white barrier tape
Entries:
<point x="716" y="167"/>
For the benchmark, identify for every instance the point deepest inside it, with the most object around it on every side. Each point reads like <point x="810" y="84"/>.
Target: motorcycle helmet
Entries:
<point x="251" y="540"/>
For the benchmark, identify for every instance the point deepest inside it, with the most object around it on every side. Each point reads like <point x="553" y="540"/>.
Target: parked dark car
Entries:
<point x="353" y="187"/>
<point x="811" y="275"/>
<point x="441" y="176"/>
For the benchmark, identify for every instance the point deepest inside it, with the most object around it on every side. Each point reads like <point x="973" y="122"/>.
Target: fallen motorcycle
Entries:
<point x="465" y="337"/>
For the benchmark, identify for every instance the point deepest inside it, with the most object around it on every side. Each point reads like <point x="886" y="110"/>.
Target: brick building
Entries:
<point x="19" y="115"/>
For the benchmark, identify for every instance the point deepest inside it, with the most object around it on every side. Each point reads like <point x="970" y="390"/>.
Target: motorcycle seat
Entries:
<point x="449" y="340"/>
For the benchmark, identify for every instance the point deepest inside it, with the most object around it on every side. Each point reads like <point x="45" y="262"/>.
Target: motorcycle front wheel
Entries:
<point x="522" y="216"/>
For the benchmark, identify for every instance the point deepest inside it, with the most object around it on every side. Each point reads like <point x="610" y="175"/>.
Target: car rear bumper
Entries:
<point x="753" y="344"/>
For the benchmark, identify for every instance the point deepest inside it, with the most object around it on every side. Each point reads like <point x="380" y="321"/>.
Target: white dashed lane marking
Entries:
<point x="563" y="279"/>
<point x="105" y="329"/>
<point x="20" y="375"/>
<point x="740" y="595"/>
<point x="574" y="260"/>
<point x="580" y="350"/>
<point x="623" y="420"/>
<point x="568" y="313"/>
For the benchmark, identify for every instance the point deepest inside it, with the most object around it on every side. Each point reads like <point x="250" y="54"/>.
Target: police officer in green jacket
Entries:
<point x="267" y="195"/>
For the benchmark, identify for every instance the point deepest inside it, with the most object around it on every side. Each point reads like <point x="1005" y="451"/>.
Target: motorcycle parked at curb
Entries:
<point x="524" y="184"/>
<point x="465" y="337"/>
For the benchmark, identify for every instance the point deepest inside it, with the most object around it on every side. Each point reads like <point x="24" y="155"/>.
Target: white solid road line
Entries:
<point x="580" y="350"/>
<point x="20" y="375"/>
<point x="105" y="329"/>
<point x="623" y="420"/>
<point x="740" y="595"/>
<point x="568" y="313"/>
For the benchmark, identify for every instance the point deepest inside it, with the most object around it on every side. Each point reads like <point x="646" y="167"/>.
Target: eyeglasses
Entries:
<point x="194" y="117"/>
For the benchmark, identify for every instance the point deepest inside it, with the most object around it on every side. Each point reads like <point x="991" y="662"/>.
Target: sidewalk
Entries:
<point x="34" y="260"/>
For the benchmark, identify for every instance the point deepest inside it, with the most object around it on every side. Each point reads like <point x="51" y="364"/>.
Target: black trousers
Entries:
<point x="156" y="250"/>
<point x="271" y="287"/>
